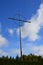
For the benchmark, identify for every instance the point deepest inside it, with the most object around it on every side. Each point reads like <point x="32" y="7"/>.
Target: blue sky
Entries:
<point x="31" y="33"/>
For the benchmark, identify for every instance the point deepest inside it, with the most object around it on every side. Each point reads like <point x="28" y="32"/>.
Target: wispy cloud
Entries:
<point x="11" y="31"/>
<point x="10" y="52"/>
<point x="34" y="49"/>
<point x="3" y="53"/>
<point x="32" y="29"/>
<point x="3" y="41"/>
<point x="15" y="51"/>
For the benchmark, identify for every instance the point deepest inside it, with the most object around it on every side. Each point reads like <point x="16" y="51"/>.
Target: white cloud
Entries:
<point x="32" y="29"/>
<point x="3" y="41"/>
<point x="3" y="53"/>
<point x="11" y="31"/>
<point x="10" y="52"/>
<point x="15" y="51"/>
<point x="34" y="49"/>
<point x="37" y="50"/>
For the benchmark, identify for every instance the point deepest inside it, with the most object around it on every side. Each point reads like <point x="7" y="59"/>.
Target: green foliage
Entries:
<point x="26" y="60"/>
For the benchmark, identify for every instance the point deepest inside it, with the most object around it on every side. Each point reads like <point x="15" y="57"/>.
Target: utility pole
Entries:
<point x="18" y="19"/>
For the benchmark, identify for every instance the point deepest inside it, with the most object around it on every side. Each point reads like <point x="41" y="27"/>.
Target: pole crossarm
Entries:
<point x="19" y="20"/>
